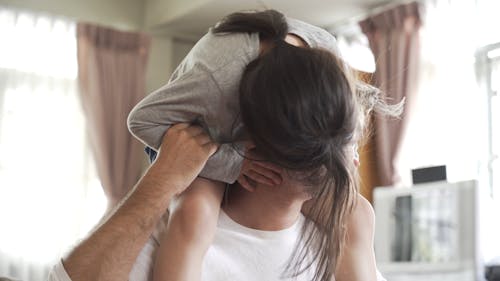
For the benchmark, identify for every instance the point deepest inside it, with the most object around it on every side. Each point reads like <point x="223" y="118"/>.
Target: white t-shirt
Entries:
<point x="237" y="253"/>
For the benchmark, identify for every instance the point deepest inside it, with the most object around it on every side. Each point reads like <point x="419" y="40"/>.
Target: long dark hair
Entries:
<point x="300" y="108"/>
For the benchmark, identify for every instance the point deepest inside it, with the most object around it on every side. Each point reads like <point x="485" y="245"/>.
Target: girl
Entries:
<point x="283" y="75"/>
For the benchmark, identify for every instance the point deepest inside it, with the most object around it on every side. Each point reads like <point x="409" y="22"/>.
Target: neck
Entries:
<point x="267" y="208"/>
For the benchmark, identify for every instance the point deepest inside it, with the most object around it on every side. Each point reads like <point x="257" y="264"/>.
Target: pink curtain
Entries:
<point x="394" y="40"/>
<point x="111" y="70"/>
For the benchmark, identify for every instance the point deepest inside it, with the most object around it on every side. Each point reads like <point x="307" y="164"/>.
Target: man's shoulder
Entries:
<point x="361" y="222"/>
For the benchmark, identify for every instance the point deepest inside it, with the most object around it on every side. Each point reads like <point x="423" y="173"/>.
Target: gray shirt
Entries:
<point x="204" y="89"/>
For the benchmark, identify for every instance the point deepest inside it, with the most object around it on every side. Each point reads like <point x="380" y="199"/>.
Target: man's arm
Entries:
<point x="111" y="250"/>
<point x="357" y="261"/>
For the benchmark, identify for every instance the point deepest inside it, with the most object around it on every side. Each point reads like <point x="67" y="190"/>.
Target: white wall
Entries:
<point x="166" y="53"/>
<point x="180" y="49"/>
<point x="160" y="63"/>
<point x="161" y="11"/>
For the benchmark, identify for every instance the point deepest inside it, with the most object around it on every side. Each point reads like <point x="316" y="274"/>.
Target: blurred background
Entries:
<point x="70" y="71"/>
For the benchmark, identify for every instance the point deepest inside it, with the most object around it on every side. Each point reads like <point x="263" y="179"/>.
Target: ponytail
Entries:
<point x="270" y="24"/>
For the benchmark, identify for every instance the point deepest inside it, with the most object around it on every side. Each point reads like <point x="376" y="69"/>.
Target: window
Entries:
<point x="48" y="181"/>
<point x="495" y="124"/>
<point x="443" y="128"/>
<point x="488" y="65"/>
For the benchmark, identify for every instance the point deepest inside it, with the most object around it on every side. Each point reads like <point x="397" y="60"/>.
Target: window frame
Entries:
<point x="484" y="72"/>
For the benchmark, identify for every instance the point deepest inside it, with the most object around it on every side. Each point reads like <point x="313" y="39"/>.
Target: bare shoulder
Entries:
<point x="361" y="222"/>
<point x="363" y="210"/>
<point x="357" y="261"/>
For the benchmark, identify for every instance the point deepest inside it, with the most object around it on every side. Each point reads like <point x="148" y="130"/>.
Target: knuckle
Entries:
<point x="208" y="149"/>
<point x="214" y="147"/>
<point x="169" y="132"/>
<point x="183" y="133"/>
<point x="193" y="141"/>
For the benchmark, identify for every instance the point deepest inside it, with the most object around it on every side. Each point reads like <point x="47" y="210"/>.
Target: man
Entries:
<point x="243" y="249"/>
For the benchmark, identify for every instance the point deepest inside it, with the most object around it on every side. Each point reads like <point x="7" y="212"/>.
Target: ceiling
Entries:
<point x="194" y="22"/>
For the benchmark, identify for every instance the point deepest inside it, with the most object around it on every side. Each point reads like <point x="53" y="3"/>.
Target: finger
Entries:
<point x="194" y="130"/>
<point x="245" y="165"/>
<point x="251" y="181"/>
<point x="179" y="126"/>
<point x="259" y="178"/>
<point x="245" y="184"/>
<point x="275" y="177"/>
<point x="250" y="153"/>
<point x="203" y="139"/>
<point x="174" y="128"/>
<point x="249" y="145"/>
<point x="275" y="168"/>
<point x="211" y="148"/>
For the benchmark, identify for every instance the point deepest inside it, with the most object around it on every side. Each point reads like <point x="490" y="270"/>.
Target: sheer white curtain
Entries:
<point x="445" y="128"/>
<point x="50" y="195"/>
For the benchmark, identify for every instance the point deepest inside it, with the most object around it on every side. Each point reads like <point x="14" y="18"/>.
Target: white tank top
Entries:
<point x="245" y="254"/>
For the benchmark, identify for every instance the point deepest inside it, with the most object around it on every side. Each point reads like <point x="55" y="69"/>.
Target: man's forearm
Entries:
<point x="110" y="252"/>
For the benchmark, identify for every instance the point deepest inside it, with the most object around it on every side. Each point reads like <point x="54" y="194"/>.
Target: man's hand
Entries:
<point x="256" y="171"/>
<point x="183" y="153"/>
